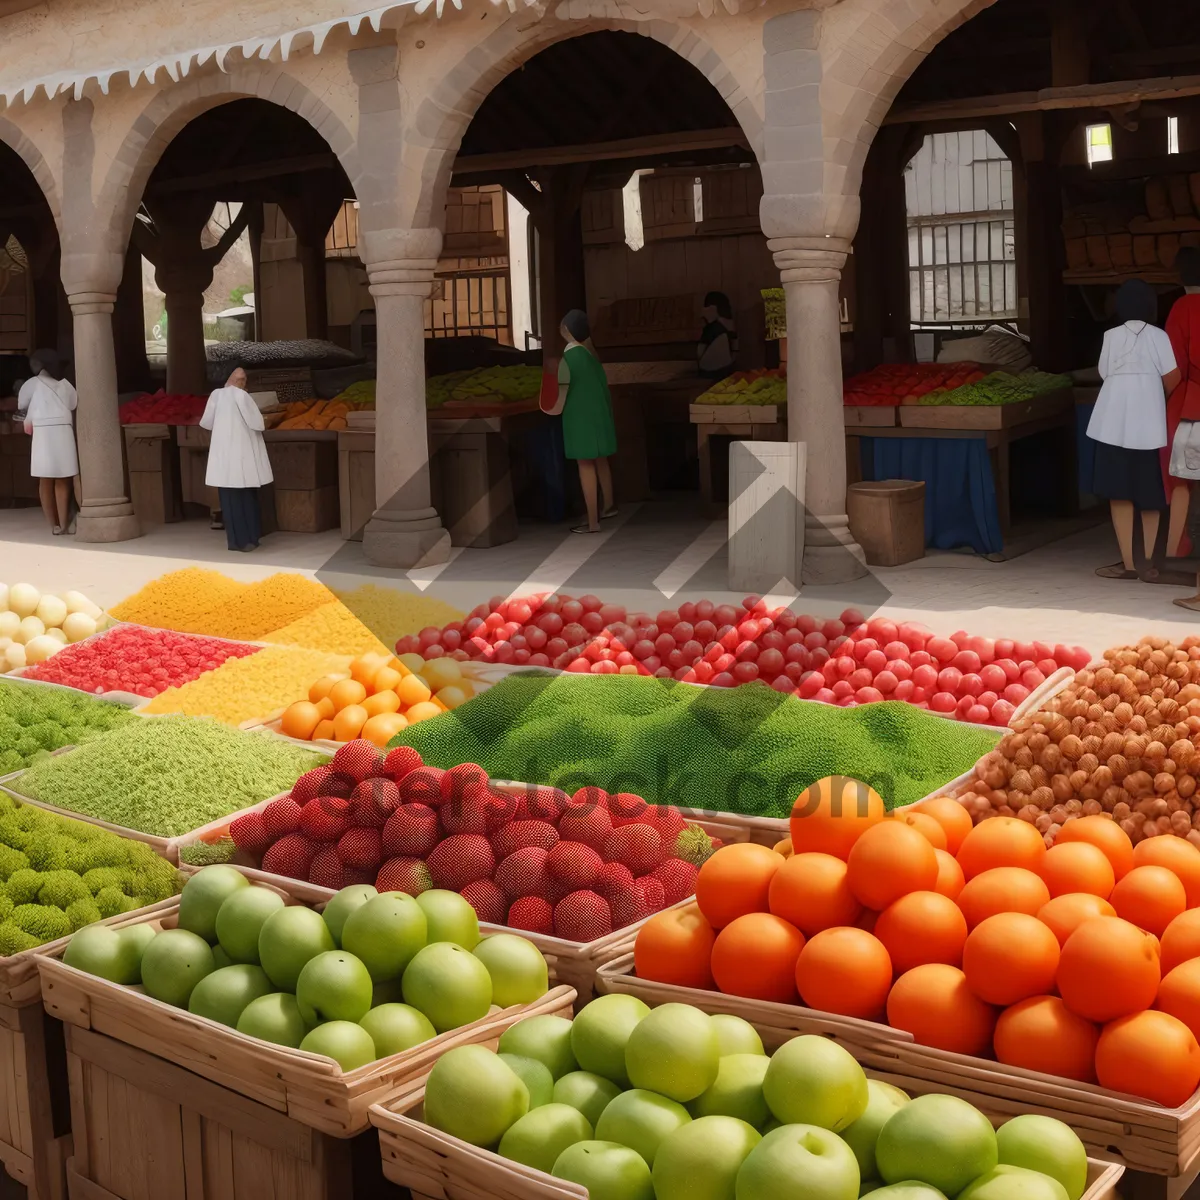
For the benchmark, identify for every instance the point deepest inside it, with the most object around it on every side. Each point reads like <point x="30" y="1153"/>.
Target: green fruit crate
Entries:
<point x="434" y="1164"/>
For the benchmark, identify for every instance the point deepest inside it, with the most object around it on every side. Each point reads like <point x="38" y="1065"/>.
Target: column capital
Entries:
<point x="809" y="259"/>
<point x="402" y="277"/>
<point x="86" y="304"/>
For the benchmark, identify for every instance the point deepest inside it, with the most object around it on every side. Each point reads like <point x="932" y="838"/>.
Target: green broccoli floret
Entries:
<point x="101" y="877"/>
<point x="48" y="852"/>
<point x="62" y="888"/>
<point x="41" y="922"/>
<point x="14" y="940"/>
<point x="11" y="860"/>
<point x="6" y="905"/>
<point x="108" y="851"/>
<point x="29" y="818"/>
<point x="110" y="901"/>
<point x="24" y="885"/>
<point x="156" y="878"/>
<point x="83" y="912"/>
<point x="11" y="834"/>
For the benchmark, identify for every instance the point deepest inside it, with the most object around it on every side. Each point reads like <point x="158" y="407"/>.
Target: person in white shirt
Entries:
<point x="48" y="404"/>
<point x="1129" y="423"/>
<point x="237" y="459"/>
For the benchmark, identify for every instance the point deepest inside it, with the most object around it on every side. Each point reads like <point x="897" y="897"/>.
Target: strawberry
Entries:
<point x="523" y="873"/>
<point x="308" y="786"/>
<point x="373" y="801"/>
<point x="518" y="834"/>
<point x="628" y="906"/>
<point x="471" y="808"/>
<point x="422" y="786"/>
<point x="613" y="879"/>
<point x="457" y="780"/>
<point x="625" y="808"/>
<point x="667" y="820"/>
<point x="573" y="863"/>
<point x="338" y="785"/>
<point x="249" y="833"/>
<point x="360" y="848"/>
<point x="678" y="879"/>
<point x="290" y="856"/>
<point x="409" y="875"/>
<point x="412" y="829"/>
<point x="582" y="916"/>
<point x="488" y="901"/>
<point x="544" y="804"/>
<point x="461" y="859"/>
<point x="358" y="759"/>
<point x="652" y="892"/>
<point x="638" y="846"/>
<point x="358" y="875"/>
<point x="399" y="762"/>
<point x="587" y="798"/>
<point x="281" y="817"/>
<point x="326" y="869"/>
<point x="588" y="825"/>
<point x="325" y="819"/>
<point x="533" y="914"/>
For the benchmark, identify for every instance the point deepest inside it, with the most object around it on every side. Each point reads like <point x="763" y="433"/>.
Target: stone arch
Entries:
<point x="437" y="126"/>
<point x="12" y="136"/>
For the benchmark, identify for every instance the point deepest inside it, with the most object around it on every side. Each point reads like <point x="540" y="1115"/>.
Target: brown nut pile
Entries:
<point x="1123" y="740"/>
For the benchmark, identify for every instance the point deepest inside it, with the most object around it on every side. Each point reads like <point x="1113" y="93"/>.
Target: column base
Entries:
<point x="395" y="538"/>
<point x="831" y="555"/>
<point x="114" y="522"/>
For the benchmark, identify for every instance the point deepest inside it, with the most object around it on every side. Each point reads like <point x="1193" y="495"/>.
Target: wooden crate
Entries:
<point x="308" y="511"/>
<point x="303" y="463"/>
<point x="870" y="416"/>
<point x="986" y="416"/>
<point x="734" y="414"/>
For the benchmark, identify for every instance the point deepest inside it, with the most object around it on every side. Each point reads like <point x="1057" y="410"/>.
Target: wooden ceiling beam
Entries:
<point x="266" y="170"/>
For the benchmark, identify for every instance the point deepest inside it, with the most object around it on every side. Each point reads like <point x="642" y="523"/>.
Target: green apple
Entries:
<point x="395" y="1028"/>
<point x="202" y="897"/>
<point x="223" y="995"/>
<point x="103" y="951"/>
<point x="518" y="970"/>
<point x="334" y="986"/>
<point x="882" y="1101"/>
<point x="589" y="1093"/>
<point x="472" y="1094"/>
<point x="673" y="1051"/>
<point x="640" y="1120"/>
<point x="137" y="937"/>
<point x="274" y="1018"/>
<point x="736" y="1091"/>
<point x="900" y="1191"/>
<point x="173" y="963"/>
<point x="735" y="1036"/>
<point x="385" y="933"/>
<point x="701" y="1160"/>
<point x="343" y="904"/>
<point x="548" y="1039"/>
<point x="389" y="992"/>
<point x="608" y="1171"/>
<point x="813" y="1081"/>
<point x="240" y="920"/>
<point x="1007" y="1182"/>
<point x="535" y="1076"/>
<point x="448" y="984"/>
<point x="542" y="1134"/>
<point x="221" y="957"/>
<point x="287" y="940"/>
<point x="348" y="1044"/>
<point x="939" y="1140"/>
<point x="450" y="918"/>
<point x="1046" y="1145"/>
<point x="599" y="1034"/>
<point x="817" y="1160"/>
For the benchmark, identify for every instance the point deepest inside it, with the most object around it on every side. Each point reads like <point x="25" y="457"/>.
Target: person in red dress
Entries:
<point x="1183" y="328"/>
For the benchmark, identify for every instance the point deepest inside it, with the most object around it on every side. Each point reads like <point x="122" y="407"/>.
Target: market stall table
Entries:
<point x="152" y="458"/>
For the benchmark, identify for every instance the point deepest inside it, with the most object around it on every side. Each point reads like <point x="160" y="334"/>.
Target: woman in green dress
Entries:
<point x="589" y="433"/>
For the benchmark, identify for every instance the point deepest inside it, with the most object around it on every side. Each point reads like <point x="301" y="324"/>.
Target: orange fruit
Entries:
<point x="365" y="668"/>
<point x="1043" y="1034"/>
<point x="951" y="816"/>
<point x="1179" y="994"/>
<point x="347" y="691"/>
<point x="1149" y="1054"/>
<point x="888" y="861"/>
<point x="1078" y="867"/>
<point x="326" y="709"/>
<point x="299" y="720"/>
<point x="1064" y="914"/>
<point x="386" y="679"/>
<point x="422" y="712"/>
<point x="949" y="877"/>
<point x="845" y="971"/>
<point x="934" y="1004"/>
<point x="1181" y="939"/>
<point x="832" y="814"/>
<point x="675" y="947"/>
<point x="320" y="689"/>
<point x="382" y="702"/>
<point x="1150" y="897"/>
<point x="324" y="731"/>
<point x="347" y="725"/>
<point x="812" y="892"/>
<point x="1002" y="889"/>
<point x="382" y="727"/>
<point x="755" y="956"/>
<point x="1104" y="832"/>
<point x="1001" y="842"/>
<point x="412" y="689"/>
<point x="926" y="826"/>
<point x="922" y="927"/>
<point x="1108" y="969"/>
<point x="1010" y="957"/>
<point x="784" y="847"/>
<point x="735" y="881"/>
<point x="1177" y="855"/>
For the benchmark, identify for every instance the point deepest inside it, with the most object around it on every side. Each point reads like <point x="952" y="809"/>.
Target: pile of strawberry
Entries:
<point x="576" y="867"/>
<point x="137" y="659"/>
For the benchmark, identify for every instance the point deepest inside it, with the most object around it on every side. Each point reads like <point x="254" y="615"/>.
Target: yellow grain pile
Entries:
<point x="390" y="613"/>
<point x="332" y="627"/>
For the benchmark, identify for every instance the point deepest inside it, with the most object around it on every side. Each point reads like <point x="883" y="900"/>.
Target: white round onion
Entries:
<point x="58" y="635"/>
<point x="28" y="629"/>
<point x="51" y="611"/>
<point x="39" y="649"/>
<point x="14" y="657"/>
<point x="9" y="622"/>
<point x="78" y="626"/>
<point x="23" y="599"/>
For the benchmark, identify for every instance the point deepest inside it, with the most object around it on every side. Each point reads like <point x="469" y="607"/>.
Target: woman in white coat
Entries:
<point x="237" y="459"/>
<point x="48" y="404"/>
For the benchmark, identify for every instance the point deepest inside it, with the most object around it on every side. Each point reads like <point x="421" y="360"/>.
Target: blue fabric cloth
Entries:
<point x="1086" y="449"/>
<point x="960" y="494"/>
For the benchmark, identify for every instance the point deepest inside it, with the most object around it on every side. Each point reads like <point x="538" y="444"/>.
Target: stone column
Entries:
<point x="811" y="268"/>
<point x="405" y="531"/>
<point x="183" y="285"/>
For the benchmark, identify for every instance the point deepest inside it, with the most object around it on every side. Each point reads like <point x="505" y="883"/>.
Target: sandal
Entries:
<point x="1116" y="571"/>
<point x="57" y="530"/>
<point x="1191" y="603"/>
<point x="609" y="513"/>
<point x="1168" y="577"/>
<point x="583" y="529"/>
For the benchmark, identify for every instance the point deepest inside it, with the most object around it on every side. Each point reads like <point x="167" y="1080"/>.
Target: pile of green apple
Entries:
<point x="674" y="1104"/>
<point x="373" y="974"/>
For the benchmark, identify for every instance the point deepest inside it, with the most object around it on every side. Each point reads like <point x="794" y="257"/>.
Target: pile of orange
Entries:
<point x="381" y="696"/>
<point x="1080" y="961"/>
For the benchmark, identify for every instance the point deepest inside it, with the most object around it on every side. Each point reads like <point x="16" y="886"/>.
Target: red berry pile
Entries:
<point x="576" y="867"/>
<point x="846" y="661"/>
<point x="134" y="658"/>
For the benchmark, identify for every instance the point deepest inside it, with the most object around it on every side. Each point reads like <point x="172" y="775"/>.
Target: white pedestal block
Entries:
<point x="766" y="516"/>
